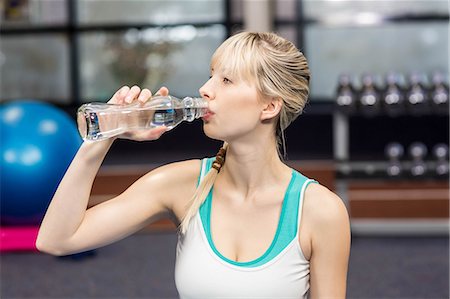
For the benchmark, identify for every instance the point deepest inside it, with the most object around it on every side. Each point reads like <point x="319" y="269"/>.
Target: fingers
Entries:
<point x="126" y="95"/>
<point x="119" y="96"/>
<point x="132" y="94"/>
<point x="164" y="91"/>
<point x="144" y="95"/>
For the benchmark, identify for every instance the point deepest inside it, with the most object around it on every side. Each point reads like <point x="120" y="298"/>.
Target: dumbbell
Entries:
<point x="440" y="153"/>
<point x="345" y="94"/>
<point x="417" y="97"/>
<point x="418" y="151"/>
<point x="393" y="98"/>
<point x="394" y="152"/>
<point x="439" y="94"/>
<point x="369" y="99"/>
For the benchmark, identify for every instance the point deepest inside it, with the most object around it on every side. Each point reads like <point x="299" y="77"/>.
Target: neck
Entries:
<point x="252" y="166"/>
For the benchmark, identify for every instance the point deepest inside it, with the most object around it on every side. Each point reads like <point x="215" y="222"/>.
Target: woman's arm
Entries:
<point x="68" y="225"/>
<point x="330" y="242"/>
<point x="68" y="206"/>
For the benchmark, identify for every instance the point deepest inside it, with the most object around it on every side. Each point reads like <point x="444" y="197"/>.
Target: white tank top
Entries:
<point x="201" y="272"/>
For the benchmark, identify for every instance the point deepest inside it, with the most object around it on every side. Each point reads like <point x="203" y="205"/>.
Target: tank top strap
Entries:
<point x="205" y="167"/>
<point x="289" y="214"/>
<point x="301" y="199"/>
<point x="298" y="201"/>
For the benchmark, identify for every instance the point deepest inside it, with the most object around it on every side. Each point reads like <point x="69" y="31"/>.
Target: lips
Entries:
<point x="208" y="115"/>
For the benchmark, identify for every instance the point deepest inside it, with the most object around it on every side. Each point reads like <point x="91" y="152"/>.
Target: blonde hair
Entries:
<point x="278" y="69"/>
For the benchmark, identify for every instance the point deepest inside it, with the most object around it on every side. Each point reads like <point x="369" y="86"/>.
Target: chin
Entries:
<point x="211" y="133"/>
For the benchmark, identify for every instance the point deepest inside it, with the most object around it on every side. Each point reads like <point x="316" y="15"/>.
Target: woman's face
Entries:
<point x="234" y="103"/>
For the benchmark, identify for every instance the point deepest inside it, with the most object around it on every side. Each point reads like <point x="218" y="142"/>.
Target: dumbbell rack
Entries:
<point x="387" y="206"/>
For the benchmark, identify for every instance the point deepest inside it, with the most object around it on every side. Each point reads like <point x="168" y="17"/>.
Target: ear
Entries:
<point x="272" y="107"/>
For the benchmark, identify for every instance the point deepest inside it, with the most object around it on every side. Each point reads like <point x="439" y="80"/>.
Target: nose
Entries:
<point x="206" y="91"/>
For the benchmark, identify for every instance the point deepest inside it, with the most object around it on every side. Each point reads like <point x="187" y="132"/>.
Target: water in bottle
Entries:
<point x="99" y="121"/>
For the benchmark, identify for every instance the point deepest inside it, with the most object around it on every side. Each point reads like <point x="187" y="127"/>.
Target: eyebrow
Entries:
<point x="223" y="71"/>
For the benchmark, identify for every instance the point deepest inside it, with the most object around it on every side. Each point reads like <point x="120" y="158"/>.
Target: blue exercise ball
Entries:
<point x="37" y="143"/>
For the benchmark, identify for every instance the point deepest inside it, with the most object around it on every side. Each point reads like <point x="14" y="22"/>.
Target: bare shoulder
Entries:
<point x="178" y="172"/>
<point x="175" y="182"/>
<point x="329" y="239"/>
<point x="324" y="209"/>
<point x="174" y="177"/>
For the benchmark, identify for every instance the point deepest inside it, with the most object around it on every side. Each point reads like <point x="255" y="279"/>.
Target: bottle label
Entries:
<point x="164" y="117"/>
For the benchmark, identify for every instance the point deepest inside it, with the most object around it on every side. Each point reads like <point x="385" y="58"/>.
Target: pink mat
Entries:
<point x="18" y="238"/>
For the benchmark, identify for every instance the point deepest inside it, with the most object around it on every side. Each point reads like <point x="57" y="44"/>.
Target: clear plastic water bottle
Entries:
<point x="99" y="121"/>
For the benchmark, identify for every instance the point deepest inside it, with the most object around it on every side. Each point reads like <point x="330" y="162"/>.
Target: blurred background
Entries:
<point x="376" y="129"/>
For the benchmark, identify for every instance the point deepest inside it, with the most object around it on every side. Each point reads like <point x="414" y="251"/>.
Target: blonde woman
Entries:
<point x="250" y="226"/>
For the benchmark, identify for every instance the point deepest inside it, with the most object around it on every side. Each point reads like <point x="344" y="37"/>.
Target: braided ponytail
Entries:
<point x="203" y="188"/>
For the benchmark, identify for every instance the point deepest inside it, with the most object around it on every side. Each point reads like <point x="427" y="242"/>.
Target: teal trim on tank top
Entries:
<point x="287" y="222"/>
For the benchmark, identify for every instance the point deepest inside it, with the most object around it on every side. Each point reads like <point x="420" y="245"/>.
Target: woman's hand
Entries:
<point x="125" y="96"/>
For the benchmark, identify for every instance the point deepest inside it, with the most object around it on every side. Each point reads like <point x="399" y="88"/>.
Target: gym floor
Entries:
<point x="142" y="265"/>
